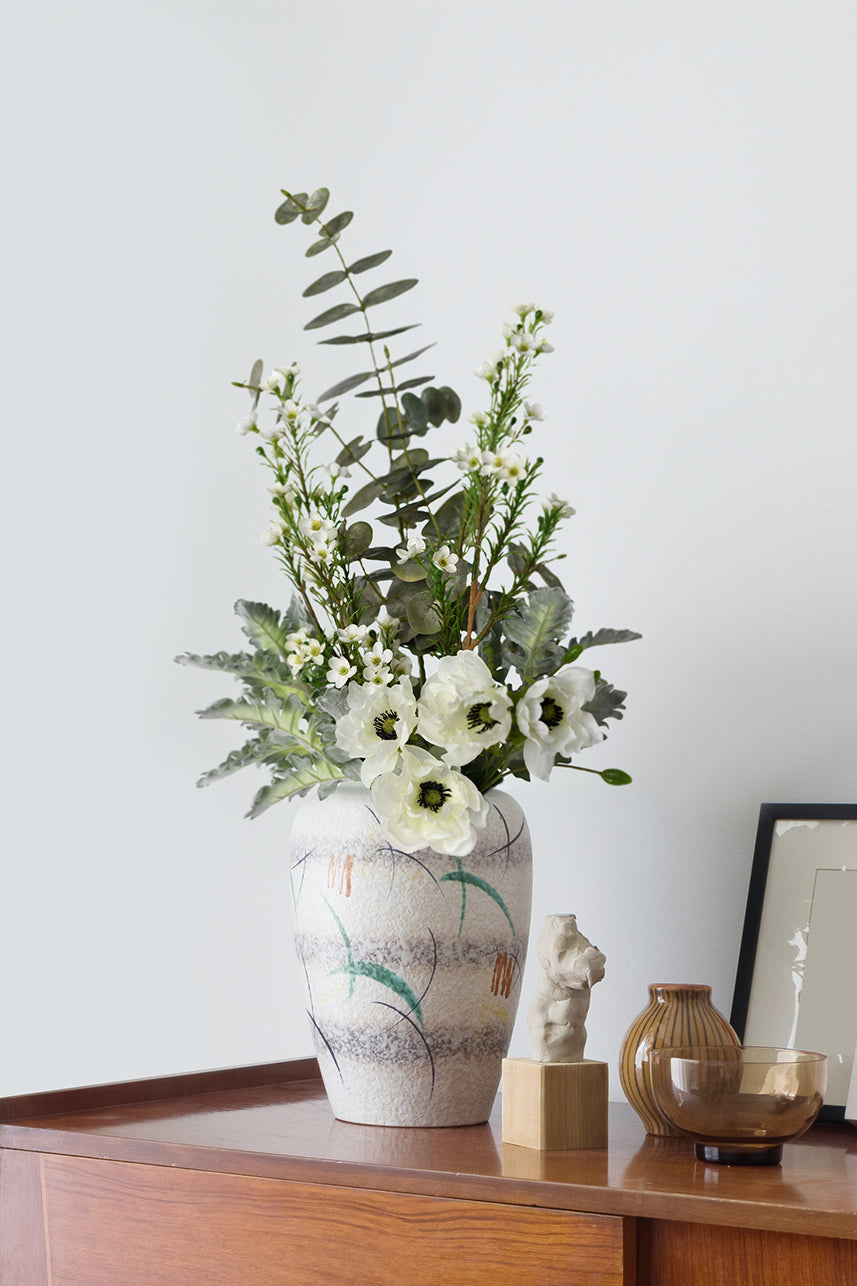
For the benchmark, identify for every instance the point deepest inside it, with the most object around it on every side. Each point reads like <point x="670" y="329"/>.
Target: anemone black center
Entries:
<point x="479" y="717"/>
<point x="552" y="713"/>
<point x="385" y="725"/>
<point x="433" y="795"/>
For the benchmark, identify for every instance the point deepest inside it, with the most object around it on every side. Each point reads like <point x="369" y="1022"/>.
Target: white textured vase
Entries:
<point x="412" y="963"/>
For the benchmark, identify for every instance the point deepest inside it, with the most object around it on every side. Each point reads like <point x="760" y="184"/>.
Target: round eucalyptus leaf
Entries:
<point x="256" y="372"/>
<point x="291" y="208"/>
<point x="453" y="403"/>
<point x="435" y="404"/>
<point x="358" y="538"/>
<point x="315" y="205"/>
<point x="423" y="615"/>
<point x="416" y="411"/>
<point x="409" y="571"/>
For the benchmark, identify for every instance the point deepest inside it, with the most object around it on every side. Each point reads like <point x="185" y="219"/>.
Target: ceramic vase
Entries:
<point x="675" y="1015"/>
<point x="411" y="963"/>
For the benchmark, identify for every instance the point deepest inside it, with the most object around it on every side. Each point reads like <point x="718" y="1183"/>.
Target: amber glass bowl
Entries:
<point x="739" y="1105"/>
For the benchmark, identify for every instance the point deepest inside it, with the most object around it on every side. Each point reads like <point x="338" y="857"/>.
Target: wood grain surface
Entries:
<point x="112" y="1223"/>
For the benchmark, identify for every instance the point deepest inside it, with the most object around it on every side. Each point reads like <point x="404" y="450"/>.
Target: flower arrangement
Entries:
<point x="429" y="662"/>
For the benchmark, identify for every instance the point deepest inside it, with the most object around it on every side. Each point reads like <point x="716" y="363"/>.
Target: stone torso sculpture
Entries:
<point x="570" y="968"/>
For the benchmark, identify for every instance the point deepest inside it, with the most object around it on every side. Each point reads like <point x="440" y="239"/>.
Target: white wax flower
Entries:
<point x="247" y="425"/>
<point x="317" y="529"/>
<point x="545" y="347"/>
<point x="445" y="559"/>
<point x="468" y="458"/>
<point x="290" y="411"/>
<point x="524" y="342"/>
<point x="378" y="677"/>
<point x="276" y="380"/>
<point x="554" y="502"/>
<point x="383" y="621"/>
<point x="415" y="546"/>
<point x="426" y="803"/>
<point x="523" y="310"/>
<point x="353" y="633"/>
<point x="377" y="655"/>
<point x="513" y="468"/>
<point x="479" y="418"/>
<point x="273" y="534"/>
<point x="340" y="671"/>
<point x="551" y="717"/>
<point x="337" y="470"/>
<point x="377" y="725"/>
<point x="493" y="463"/>
<point x="547" y="315"/>
<point x="462" y="709"/>
<point x="534" y="411"/>
<point x="486" y="371"/>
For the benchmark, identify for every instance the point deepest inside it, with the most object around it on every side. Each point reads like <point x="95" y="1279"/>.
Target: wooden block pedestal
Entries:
<point x="554" y="1106"/>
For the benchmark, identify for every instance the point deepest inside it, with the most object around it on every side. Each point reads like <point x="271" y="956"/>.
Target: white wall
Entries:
<point x="676" y="180"/>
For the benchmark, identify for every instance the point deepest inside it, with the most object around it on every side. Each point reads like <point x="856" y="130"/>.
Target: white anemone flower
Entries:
<point x="553" y="721"/>
<point x="462" y="709"/>
<point x="377" y="725"/>
<point x="427" y="804"/>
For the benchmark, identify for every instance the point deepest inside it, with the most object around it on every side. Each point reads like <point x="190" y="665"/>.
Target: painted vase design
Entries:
<point x="412" y="963"/>
<point x="675" y="1015"/>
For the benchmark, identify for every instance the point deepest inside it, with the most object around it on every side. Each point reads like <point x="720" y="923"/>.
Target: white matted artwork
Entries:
<point x="797" y="973"/>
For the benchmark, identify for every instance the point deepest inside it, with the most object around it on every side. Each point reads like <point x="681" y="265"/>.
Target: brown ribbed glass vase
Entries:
<point x="677" y="1014"/>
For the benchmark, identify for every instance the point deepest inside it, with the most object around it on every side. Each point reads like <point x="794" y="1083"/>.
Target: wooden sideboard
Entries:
<point x="244" y="1178"/>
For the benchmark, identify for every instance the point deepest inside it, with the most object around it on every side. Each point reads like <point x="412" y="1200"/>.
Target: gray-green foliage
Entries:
<point x="481" y="577"/>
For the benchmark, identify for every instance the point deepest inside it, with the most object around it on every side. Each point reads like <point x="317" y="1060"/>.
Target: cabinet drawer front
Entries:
<point x="109" y="1222"/>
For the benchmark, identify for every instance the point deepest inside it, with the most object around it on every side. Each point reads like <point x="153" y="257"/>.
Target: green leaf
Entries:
<point x="533" y="628"/>
<point x="370" y="261"/>
<point x="353" y="451"/>
<point x="448" y="517"/>
<point x="416" y="411"/>
<point x="290" y="209"/>
<point x="608" y="702"/>
<point x="615" y="777"/>
<point x="392" y="290"/>
<point x="549" y="577"/>
<point x="263" y="627"/>
<point x="331" y="315"/>
<point x="409" y="571"/>
<point x="318" y="247"/>
<point x="345" y="386"/>
<point x="234" y="663"/>
<point x="369" y="337"/>
<point x="257" y="751"/>
<point x="391" y="392"/>
<point x="435" y="404"/>
<point x="365" y="496"/>
<point x="339" y="221"/>
<point x="453" y="403"/>
<point x="315" y="205"/>
<point x="358" y="538"/>
<point x="327" y="282"/>
<point x="297" y="781"/>
<point x="602" y="637"/>
<point x="423" y="614"/>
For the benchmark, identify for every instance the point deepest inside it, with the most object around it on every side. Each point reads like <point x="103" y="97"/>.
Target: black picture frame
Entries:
<point x="784" y="882"/>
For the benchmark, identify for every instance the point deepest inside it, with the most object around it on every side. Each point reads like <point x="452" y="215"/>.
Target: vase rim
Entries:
<point x="679" y="986"/>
